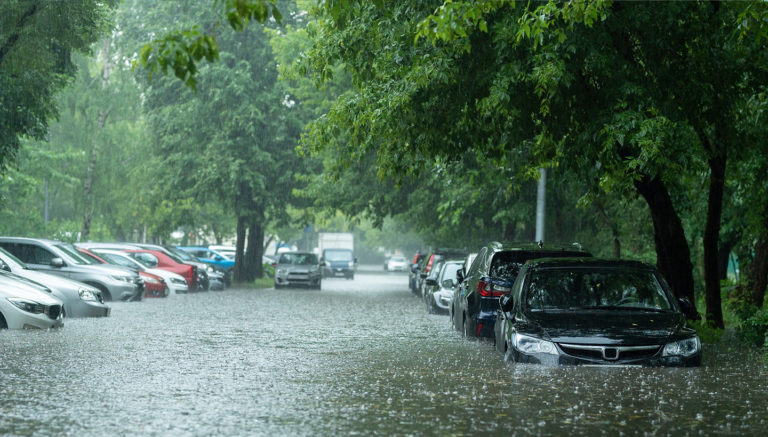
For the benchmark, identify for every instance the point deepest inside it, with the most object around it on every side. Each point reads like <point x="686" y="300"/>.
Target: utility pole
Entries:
<point x="541" y="204"/>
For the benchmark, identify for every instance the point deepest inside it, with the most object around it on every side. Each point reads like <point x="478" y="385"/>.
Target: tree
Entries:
<point x="52" y="31"/>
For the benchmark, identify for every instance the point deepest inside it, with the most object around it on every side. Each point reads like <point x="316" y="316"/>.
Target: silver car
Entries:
<point x="298" y="268"/>
<point x="79" y="299"/>
<point x="63" y="259"/>
<point x="25" y="306"/>
<point x="438" y="294"/>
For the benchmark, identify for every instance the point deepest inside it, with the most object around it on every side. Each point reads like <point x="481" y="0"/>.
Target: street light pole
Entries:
<point x="541" y="203"/>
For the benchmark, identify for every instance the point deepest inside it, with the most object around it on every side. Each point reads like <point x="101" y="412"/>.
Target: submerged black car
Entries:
<point x="476" y="299"/>
<point x="589" y="311"/>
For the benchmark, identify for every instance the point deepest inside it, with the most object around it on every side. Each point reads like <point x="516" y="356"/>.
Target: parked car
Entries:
<point x="158" y="259"/>
<point x="176" y="283"/>
<point x="413" y="270"/>
<point x="594" y="312"/>
<point x="491" y="275"/>
<point x="430" y="261"/>
<point x="79" y="299"/>
<point x="63" y="259"/>
<point x="25" y="306"/>
<point x="210" y="256"/>
<point x="298" y="268"/>
<point x="227" y="251"/>
<point x="154" y="285"/>
<point x="396" y="263"/>
<point x="208" y="277"/>
<point x="439" y="290"/>
<point x="338" y="262"/>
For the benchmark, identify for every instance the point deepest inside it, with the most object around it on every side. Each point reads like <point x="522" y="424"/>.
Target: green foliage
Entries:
<point x="181" y="50"/>
<point x="707" y="333"/>
<point x="37" y="40"/>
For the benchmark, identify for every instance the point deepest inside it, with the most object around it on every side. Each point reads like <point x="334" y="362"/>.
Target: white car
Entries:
<point x="175" y="282"/>
<point x="25" y="306"/>
<point x="396" y="263"/>
<point x="79" y="299"/>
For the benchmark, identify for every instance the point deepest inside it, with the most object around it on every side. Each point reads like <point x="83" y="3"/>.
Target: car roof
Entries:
<point x="575" y="263"/>
<point x="498" y="246"/>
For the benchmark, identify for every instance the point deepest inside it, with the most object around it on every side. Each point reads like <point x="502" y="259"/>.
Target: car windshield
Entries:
<point x="120" y="260"/>
<point x="595" y="289"/>
<point x="298" y="258"/>
<point x="74" y="255"/>
<point x="338" y="255"/>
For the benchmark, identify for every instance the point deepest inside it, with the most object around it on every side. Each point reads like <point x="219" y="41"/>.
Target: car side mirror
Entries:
<point x="449" y="283"/>
<point x="430" y="281"/>
<point x="685" y="305"/>
<point x="57" y="262"/>
<point x="459" y="276"/>
<point x="506" y="303"/>
<point x="218" y="258"/>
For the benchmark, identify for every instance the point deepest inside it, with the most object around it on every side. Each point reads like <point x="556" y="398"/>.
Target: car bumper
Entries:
<point x="126" y="292"/>
<point x="89" y="309"/>
<point x="15" y="318"/>
<point x="442" y="301"/>
<point x="563" y="359"/>
<point x="294" y="279"/>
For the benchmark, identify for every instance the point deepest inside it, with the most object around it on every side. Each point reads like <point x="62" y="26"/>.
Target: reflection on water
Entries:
<point x="358" y="357"/>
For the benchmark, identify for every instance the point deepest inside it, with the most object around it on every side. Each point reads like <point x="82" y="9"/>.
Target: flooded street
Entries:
<point x="358" y="357"/>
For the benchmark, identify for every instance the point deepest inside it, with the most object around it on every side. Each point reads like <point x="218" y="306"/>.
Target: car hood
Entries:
<point x="110" y="270"/>
<point x="10" y="287"/>
<point x="609" y="327"/>
<point x="51" y="281"/>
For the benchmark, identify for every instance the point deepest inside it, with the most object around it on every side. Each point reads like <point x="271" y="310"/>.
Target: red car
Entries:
<point x="154" y="286"/>
<point x="157" y="259"/>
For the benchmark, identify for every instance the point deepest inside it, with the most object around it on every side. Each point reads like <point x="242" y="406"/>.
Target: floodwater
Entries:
<point x="360" y="357"/>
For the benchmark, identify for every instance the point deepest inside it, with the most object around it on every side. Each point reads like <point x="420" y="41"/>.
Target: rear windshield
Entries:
<point x="507" y="264"/>
<point x="338" y="255"/>
<point x="594" y="289"/>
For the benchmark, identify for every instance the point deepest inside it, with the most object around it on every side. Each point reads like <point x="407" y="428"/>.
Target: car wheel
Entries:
<point x="278" y="286"/>
<point x="467" y="330"/>
<point x="3" y="323"/>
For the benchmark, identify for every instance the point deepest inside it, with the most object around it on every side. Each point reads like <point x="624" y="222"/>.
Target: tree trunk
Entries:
<point x="758" y="273"/>
<point x="672" y="251"/>
<point x="239" y="273"/>
<point x="714" y="310"/>
<point x="253" y="255"/>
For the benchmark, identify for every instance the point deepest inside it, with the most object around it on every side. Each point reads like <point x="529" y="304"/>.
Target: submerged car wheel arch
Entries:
<point x="3" y="323"/>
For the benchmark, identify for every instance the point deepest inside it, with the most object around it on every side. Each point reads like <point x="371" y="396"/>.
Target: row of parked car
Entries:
<point x="44" y="281"/>
<point x="550" y="304"/>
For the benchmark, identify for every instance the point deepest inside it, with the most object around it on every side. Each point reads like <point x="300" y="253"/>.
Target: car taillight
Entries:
<point x="415" y="258"/>
<point x="489" y="289"/>
<point x="429" y="264"/>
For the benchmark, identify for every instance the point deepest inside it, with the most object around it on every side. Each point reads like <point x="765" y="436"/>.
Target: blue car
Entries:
<point x="209" y="256"/>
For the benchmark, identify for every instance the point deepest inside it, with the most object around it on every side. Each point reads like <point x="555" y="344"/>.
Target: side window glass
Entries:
<point x="42" y="256"/>
<point x="475" y="264"/>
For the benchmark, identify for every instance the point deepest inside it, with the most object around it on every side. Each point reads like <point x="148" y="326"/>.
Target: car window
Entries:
<point x="338" y="255"/>
<point x="449" y="271"/>
<point x="573" y="289"/>
<point x="476" y="262"/>
<point x="76" y="256"/>
<point x="12" y="258"/>
<point x="118" y="260"/>
<point x="145" y="258"/>
<point x="38" y="255"/>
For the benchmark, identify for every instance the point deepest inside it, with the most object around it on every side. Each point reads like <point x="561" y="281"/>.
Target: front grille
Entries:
<point x="53" y="311"/>
<point x="609" y="353"/>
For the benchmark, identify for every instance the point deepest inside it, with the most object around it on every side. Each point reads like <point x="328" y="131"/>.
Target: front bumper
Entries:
<point x="644" y="358"/>
<point x="16" y="318"/>
<point x="89" y="308"/>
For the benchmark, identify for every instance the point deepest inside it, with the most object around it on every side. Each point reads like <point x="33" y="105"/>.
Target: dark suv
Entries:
<point x="491" y="275"/>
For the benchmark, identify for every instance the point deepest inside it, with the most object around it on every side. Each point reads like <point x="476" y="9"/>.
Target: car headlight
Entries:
<point x="122" y="278"/>
<point x="533" y="345"/>
<point x="209" y="268"/>
<point x="151" y="280"/>
<point x="29" y="306"/>
<point x="88" y="294"/>
<point x="351" y="264"/>
<point x="684" y="348"/>
<point x="179" y="281"/>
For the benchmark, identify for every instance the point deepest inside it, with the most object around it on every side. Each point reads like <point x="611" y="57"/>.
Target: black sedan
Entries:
<point x="589" y="311"/>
